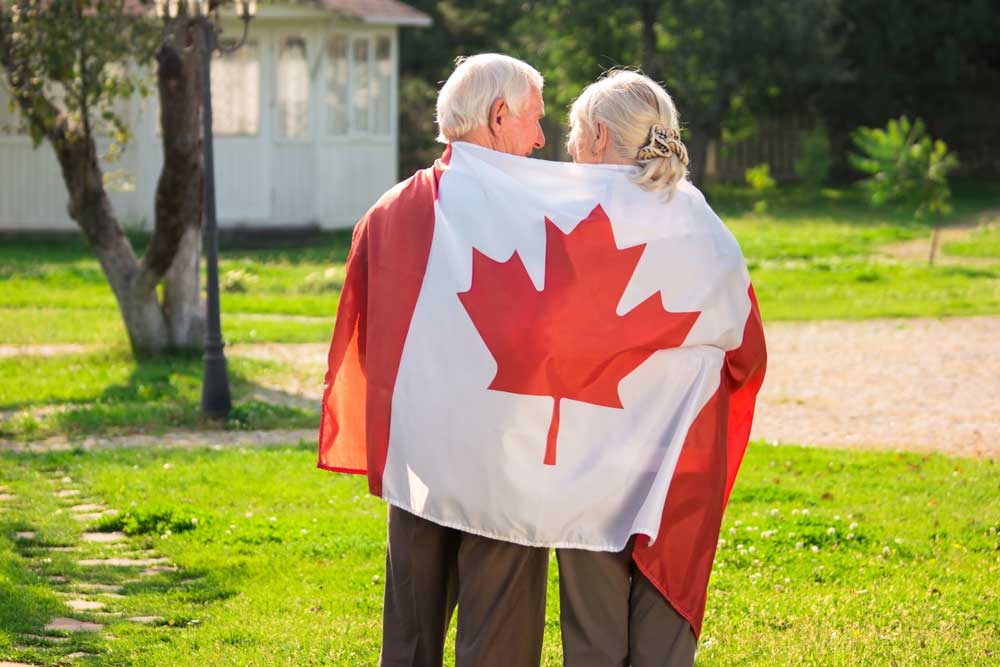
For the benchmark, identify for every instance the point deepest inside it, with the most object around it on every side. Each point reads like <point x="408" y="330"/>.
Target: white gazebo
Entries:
<point x="305" y="120"/>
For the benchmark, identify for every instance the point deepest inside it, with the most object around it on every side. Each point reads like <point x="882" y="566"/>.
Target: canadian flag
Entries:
<point x="546" y="354"/>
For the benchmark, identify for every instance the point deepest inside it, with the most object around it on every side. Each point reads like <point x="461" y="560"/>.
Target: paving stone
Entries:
<point x="66" y="493"/>
<point x="84" y="605"/>
<point x="99" y="588"/>
<point x="4" y="488"/>
<point x="152" y="571"/>
<point x="58" y="579"/>
<point x="47" y="639"/>
<point x="121" y="562"/>
<point x="72" y="625"/>
<point x="24" y="535"/>
<point x="77" y="654"/>
<point x="91" y="516"/>
<point x="63" y="549"/>
<point x="88" y="507"/>
<point x="5" y="663"/>
<point x="7" y="496"/>
<point x="103" y="538"/>
<point x="66" y="479"/>
<point x="146" y="619"/>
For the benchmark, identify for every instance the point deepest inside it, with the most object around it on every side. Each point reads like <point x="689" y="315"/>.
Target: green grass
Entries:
<point x="813" y="255"/>
<point x="108" y="392"/>
<point x="982" y="242"/>
<point x="818" y="256"/>
<point x="55" y="292"/>
<point x="828" y="558"/>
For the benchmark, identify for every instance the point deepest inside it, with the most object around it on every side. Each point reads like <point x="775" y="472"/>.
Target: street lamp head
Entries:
<point x="168" y="9"/>
<point x="246" y="9"/>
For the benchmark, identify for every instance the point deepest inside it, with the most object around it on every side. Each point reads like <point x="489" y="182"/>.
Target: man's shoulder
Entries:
<point x="404" y="194"/>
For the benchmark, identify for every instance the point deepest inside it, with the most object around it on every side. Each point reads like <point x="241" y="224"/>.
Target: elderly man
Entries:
<point x="499" y="587"/>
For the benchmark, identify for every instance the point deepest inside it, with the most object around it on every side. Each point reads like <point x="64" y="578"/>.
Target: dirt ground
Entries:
<point x="921" y="384"/>
<point x="914" y="384"/>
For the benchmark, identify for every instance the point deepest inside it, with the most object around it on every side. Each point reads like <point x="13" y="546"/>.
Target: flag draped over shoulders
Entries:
<point x="546" y="354"/>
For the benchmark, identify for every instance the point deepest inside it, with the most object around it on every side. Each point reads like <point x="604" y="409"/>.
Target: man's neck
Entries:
<point x="481" y="136"/>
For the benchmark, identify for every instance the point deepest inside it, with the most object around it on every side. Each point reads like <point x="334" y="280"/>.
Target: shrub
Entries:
<point x="156" y="521"/>
<point x="905" y="166"/>
<point x="237" y="280"/>
<point x="760" y="181"/>
<point x="814" y="161"/>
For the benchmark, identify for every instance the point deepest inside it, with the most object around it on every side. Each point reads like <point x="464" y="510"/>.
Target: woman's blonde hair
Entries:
<point x="643" y="126"/>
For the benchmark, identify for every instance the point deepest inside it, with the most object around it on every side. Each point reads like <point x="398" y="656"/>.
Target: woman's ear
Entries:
<point x="600" y="139"/>
<point x="498" y="114"/>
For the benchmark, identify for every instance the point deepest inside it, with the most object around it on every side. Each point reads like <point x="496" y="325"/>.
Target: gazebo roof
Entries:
<point x="385" y="12"/>
<point x="390" y="12"/>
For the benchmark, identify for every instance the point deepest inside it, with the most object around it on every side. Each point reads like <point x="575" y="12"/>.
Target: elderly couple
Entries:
<point x="611" y="614"/>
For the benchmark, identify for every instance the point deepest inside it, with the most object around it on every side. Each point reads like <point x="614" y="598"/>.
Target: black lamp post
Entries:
<point x="215" y="399"/>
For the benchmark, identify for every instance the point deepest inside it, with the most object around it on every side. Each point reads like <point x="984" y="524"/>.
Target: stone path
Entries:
<point x="49" y="350"/>
<point x="90" y="605"/>
<point x="171" y="440"/>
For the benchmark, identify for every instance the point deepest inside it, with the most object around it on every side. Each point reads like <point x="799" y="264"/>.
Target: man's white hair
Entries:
<point x="464" y="101"/>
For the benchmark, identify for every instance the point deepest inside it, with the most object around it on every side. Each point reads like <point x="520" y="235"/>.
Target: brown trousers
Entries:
<point x="612" y="616"/>
<point x="499" y="588"/>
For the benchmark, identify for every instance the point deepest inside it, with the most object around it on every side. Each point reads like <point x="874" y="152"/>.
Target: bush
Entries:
<point x="815" y="159"/>
<point x="237" y="280"/>
<point x="905" y="166"/>
<point x="760" y="181"/>
<point x="158" y="521"/>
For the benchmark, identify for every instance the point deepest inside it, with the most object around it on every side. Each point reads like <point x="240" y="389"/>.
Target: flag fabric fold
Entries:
<point x="546" y="354"/>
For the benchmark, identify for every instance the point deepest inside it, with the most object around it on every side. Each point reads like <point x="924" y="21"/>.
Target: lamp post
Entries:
<point x="203" y="16"/>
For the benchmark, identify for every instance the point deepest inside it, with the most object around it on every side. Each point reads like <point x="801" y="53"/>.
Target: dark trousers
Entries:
<point x="612" y="616"/>
<point x="499" y="588"/>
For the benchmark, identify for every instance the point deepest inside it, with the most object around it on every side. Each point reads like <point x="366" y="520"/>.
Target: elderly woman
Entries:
<point x="611" y="614"/>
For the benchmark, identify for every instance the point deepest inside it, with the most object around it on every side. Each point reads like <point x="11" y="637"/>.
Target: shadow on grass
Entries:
<point x="26" y="603"/>
<point x="157" y="395"/>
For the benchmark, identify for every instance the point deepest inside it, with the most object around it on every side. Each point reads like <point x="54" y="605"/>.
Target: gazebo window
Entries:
<point x="293" y="89"/>
<point x="359" y="85"/>
<point x="382" y="94"/>
<point x="337" y="85"/>
<point x="236" y="92"/>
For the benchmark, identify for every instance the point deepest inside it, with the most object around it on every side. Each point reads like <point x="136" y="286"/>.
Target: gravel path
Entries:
<point x="919" y="384"/>
<point x="914" y="384"/>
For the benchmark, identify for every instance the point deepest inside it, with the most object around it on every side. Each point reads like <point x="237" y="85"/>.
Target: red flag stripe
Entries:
<point x="385" y="273"/>
<point x="679" y="562"/>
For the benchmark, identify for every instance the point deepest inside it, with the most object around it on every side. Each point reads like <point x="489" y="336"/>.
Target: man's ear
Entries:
<point x="498" y="114"/>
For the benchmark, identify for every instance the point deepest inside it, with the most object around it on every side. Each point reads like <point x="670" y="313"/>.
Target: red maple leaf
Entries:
<point x="567" y="341"/>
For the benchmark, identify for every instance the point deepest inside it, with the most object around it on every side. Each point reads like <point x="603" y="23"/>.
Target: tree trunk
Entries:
<point x="697" y="142"/>
<point x="182" y="303"/>
<point x="179" y="191"/>
<point x="649" y="11"/>
<point x="90" y="208"/>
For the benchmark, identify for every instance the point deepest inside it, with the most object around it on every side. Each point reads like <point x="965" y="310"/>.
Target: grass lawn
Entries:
<point x="827" y="558"/>
<point x="813" y="255"/>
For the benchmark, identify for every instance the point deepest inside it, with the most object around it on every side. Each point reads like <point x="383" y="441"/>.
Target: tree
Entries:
<point x="715" y="57"/>
<point x="907" y="167"/>
<point x="69" y="66"/>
